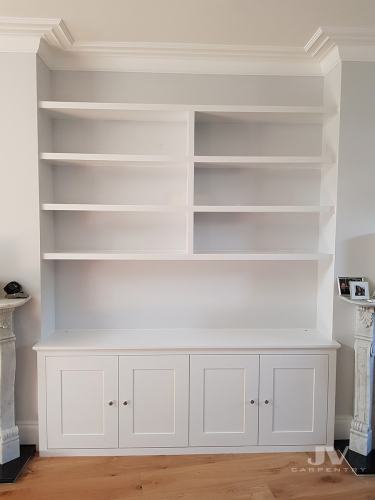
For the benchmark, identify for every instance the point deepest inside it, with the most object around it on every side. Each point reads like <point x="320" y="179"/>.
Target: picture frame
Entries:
<point x="343" y="284"/>
<point x="359" y="290"/>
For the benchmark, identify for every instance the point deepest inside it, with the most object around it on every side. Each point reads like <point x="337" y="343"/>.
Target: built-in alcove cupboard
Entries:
<point x="187" y="247"/>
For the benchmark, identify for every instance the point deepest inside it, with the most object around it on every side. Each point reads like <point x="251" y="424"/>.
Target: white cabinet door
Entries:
<point x="293" y="399"/>
<point x="154" y="398"/>
<point x="224" y="400"/>
<point x="82" y="409"/>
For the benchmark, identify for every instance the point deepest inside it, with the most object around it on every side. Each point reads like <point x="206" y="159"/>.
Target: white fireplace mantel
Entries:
<point x="361" y="429"/>
<point x="9" y="438"/>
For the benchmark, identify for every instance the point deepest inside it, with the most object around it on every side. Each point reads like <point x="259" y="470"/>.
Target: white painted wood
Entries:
<point x="79" y="159"/>
<point x="190" y="185"/>
<point x="171" y="112"/>
<point x="9" y="435"/>
<point x="183" y="256"/>
<point x="153" y="401"/>
<point x="85" y="207"/>
<point x="293" y="399"/>
<point x="248" y="160"/>
<point x="82" y="402"/>
<point x="263" y="209"/>
<point x="185" y="339"/>
<point x="224" y="400"/>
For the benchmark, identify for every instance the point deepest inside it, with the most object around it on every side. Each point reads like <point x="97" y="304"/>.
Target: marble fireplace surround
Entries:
<point x="361" y="429"/>
<point x="9" y="437"/>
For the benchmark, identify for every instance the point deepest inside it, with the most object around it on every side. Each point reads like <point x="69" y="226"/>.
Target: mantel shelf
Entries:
<point x="173" y="256"/>
<point x="359" y="302"/>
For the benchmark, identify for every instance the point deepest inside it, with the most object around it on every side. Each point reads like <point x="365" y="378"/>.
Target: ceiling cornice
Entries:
<point x="352" y="44"/>
<point x="55" y="44"/>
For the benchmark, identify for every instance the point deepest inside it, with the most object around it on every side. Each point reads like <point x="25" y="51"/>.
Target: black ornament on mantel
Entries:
<point x="14" y="290"/>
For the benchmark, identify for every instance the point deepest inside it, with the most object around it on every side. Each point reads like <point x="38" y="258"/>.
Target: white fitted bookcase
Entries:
<point x="179" y="230"/>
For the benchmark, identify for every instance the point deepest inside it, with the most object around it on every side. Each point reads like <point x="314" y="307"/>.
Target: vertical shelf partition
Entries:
<point x="190" y="184"/>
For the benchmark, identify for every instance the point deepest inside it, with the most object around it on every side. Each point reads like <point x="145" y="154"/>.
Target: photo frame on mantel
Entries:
<point x="359" y="290"/>
<point x="343" y="284"/>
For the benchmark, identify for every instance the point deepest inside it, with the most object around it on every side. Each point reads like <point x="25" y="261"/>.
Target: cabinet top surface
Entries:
<point x="183" y="339"/>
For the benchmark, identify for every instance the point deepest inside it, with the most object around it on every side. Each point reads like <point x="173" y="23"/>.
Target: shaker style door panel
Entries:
<point x="82" y="410"/>
<point x="223" y="400"/>
<point x="154" y="401"/>
<point x="293" y="399"/>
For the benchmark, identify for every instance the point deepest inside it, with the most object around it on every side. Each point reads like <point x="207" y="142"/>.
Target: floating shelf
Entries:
<point x="270" y="114"/>
<point x="77" y="159"/>
<point x="279" y="256"/>
<point x="171" y="112"/>
<point x="81" y="207"/>
<point x="254" y="161"/>
<point x="262" y="209"/>
<point x="114" y="111"/>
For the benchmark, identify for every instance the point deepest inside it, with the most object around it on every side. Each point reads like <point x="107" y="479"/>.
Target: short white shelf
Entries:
<point x="173" y="256"/>
<point x="263" y="208"/>
<point x="253" y="161"/>
<point x="114" y="111"/>
<point x="77" y="159"/>
<point x="82" y="207"/>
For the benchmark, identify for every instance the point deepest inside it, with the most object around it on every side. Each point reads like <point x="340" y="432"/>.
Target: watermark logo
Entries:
<point x="326" y="459"/>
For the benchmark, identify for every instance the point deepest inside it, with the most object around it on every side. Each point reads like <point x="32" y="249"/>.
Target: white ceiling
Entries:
<point x="240" y="22"/>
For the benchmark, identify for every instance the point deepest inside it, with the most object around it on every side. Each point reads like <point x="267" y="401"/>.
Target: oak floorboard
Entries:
<point x="271" y="476"/>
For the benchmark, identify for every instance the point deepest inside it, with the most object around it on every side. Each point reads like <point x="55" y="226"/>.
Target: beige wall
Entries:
<point x="19" y="208"/>
<point x="355" y="241"/>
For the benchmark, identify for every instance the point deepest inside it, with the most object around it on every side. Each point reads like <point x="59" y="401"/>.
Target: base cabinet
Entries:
<point x="200" y="401"/>
<point x="293" y="399"/>
<point x="81" y="396"/>
<point x="224" y="400"/>
<point x="154" y="401"/>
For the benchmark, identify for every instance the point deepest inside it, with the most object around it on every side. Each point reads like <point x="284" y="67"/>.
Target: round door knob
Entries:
<point x="111" y="403"/>
<point x="252" y="401"/>
<point x="125" y="403"/>
<point x="266" y="402"/>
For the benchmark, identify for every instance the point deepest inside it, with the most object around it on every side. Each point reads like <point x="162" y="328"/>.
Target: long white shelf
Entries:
<point x="83" y="207"/>
<point x="172" y="256"/>
<point x="262" y="208"/>
<point x="253" y="161"/>
<point x="172" y="112"/>
<point x="186" y="339"/>
<point x="77" y="159"/>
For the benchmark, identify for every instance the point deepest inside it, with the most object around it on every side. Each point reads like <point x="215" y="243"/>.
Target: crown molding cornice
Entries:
<point x="57" y="47"/>
<point x="351" y="44"/>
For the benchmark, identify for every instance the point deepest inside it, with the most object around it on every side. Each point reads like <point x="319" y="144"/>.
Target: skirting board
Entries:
<point x="342" y="426"/>
<point x="28" y="432"/>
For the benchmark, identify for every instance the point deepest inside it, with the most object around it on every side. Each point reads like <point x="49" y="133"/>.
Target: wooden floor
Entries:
<point x="206" y="477"/>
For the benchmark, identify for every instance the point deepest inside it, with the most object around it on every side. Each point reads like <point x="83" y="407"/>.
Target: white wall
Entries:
<point x="355" y="242"/>
<point x="19" y="208"/>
